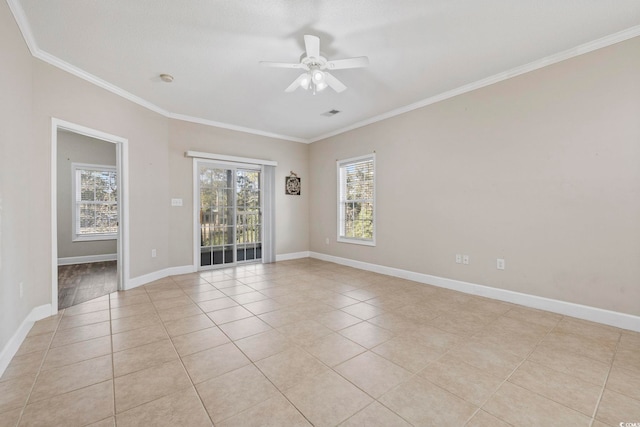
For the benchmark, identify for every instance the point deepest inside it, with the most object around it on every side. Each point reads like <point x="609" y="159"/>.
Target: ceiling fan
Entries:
<point x="315" y="66"/>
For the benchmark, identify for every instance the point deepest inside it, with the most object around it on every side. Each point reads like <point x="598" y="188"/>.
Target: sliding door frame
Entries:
<point x="197" y="246"/>
<point x="268" y="200"/>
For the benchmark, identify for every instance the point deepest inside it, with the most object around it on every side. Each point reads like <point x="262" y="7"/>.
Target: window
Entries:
<point x="356" y="200"/>
<point x="95" y="202"/>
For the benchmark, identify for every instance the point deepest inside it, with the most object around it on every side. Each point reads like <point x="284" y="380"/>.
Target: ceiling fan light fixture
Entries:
<point x="321" y="86"/>
<point x="317" y="76"/>
<point x="304" y="83"/>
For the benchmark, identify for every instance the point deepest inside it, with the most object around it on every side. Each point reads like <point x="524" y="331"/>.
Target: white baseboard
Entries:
<point x="18" y="337"/>
<point x="594" y="314"/>
<point x="293" y="255"/>
<point x="134" y="282"/>
<point x="86" y="259"/>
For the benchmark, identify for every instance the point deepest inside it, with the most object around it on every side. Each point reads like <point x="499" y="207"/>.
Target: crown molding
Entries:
<point x="21" y="19"/>
<point x="25" y="28"/>
<point x="27" y="34"/>
<point x="57" y="62"/>
<point x="213" y="123"/>
<point x="600" y="43"/>
<point x="78" y="72"/>
<point x="65" y="66"/>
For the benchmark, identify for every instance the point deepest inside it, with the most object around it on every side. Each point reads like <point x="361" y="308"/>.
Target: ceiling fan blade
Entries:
<point x="334" y="83"/>
<point x="361" y="61"/>
<point x="299" y="82"/>
<point x="282" y="64"/>
<point x="312" y="46"/>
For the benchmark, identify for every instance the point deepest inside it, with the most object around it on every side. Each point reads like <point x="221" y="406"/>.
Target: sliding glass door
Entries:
<point x="248" y="215"/>
<point x="230" y="215"/>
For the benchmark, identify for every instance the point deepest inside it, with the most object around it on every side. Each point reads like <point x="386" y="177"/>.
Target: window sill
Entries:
<point x="95" y="237"/>
<point x="356" y="241"/>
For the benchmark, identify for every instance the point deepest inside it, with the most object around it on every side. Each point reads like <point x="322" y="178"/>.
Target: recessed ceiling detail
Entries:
<point x="420" y="52"/>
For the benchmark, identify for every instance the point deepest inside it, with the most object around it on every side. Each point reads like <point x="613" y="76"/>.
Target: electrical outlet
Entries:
<point x="500" y="264"/>
<point x="458" y="259"/>
<point x="153" y="253"/>
<point x="465" y="259"/>
<point x="326" y="240"/>
<point x="21" y="290"/>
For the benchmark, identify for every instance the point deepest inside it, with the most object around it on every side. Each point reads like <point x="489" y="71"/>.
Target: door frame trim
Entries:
<point x="122" y="168"/>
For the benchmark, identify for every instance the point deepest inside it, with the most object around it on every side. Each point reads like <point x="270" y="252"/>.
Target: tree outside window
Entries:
<point x="356" y="198"/>
<point x="95" y="202"/>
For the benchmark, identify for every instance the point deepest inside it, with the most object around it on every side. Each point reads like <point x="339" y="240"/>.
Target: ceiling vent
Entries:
<point x="330" y="113"/>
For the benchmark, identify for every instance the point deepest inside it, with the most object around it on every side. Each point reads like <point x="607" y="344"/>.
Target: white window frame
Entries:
<point x="75" y="204"/>
<point x="340" y="164"/>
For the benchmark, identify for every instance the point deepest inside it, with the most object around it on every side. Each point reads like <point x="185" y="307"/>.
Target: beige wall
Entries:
<point x="59" y="94"/>
<point x="33" y="93"/>
<point x="292" y="212"/>
<point x="542" y="170"/>
<point x="76" y="148"/>
<point x="157" y="170"/>
<point x="16" y="150"/>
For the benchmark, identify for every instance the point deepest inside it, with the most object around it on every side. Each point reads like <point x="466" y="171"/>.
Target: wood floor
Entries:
<point x="78" y="283"/>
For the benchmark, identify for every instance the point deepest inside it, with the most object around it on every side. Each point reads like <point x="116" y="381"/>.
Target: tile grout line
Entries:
<point x="113" y="366"/>
<point x="193" y="385"/>
<point x="254" y="365"/>
<point x="35" y="380"/>
<point x="174" y="349"/>
<point x="63" y="366"/>
<point x="375" y="399"/>
<point x="509" y="376"/>
<point x="449" y="351"/>
<point x="474" y="335"/>
<point x="296" y="345"/>
<point x="414" y="375"/>
<point x="48" y="348"/>
<point x="330" y="369"/>
<point x="604" y="384"/>
<point x="592" y="418"/>
<point x="271" y="382"/>
<point x="518" y="367"/>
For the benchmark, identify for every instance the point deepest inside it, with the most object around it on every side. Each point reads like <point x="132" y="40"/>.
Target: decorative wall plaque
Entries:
<point x="292" y="184"/>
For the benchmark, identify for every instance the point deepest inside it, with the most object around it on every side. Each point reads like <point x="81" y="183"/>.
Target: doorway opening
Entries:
<point x="89" y="214"/>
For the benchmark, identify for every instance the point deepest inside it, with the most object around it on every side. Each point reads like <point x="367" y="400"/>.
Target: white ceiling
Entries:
<point x="419" y="51"/>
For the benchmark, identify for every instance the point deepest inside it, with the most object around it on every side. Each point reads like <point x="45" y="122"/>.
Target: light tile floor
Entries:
<point x="307" y="342"/>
